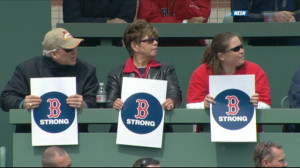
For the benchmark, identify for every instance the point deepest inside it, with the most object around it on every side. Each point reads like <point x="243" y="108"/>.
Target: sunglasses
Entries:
<point x="235" y="49"/>
<point x="267" y="144"/>
<point x="145" y="162"/>
<point x="68" y="50"/>
<point x="150" y="40"/>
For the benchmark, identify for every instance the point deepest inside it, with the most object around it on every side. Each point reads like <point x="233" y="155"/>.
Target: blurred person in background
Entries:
<point x="269" y="154"/>
<point x="55" y="156"/>
<point x="146" y="162"/>
<point x="175" y="11"/>
<point x="268" y="11"/>
<point x="99" y="11"/>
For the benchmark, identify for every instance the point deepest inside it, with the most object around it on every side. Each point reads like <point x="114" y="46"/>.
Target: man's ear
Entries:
<point x="53" y="54"/>
<point x="264" y="163"/>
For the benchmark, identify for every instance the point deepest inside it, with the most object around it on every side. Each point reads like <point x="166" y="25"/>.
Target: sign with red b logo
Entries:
<point x="54" y="115"/>
<point x="54" y="122"/>
<point x="141" y="119"/>
<point x="232" y="117"/>
<point x="233" y="109"/>
<point x="142" y="113"/>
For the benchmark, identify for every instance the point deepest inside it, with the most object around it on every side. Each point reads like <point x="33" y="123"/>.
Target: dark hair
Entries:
<point x="144" y="162"/>
<point x="263" y="151"/>
<point x="136" y="31"/>
<point x="219" y="44"/>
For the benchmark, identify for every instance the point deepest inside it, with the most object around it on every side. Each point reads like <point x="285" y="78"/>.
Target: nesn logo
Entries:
<point x="240" y="13"/>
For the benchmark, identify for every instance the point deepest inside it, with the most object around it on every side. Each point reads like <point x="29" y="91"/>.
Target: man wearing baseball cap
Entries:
<point x="59" y="59"/>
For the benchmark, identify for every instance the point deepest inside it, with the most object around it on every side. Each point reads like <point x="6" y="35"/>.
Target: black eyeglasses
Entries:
<point x="150" y="40"/>
<point x="145" y="162"/>
<point x="68" y="50"/>
<point x="267" y="144"/>
<point x="235" y="49"/>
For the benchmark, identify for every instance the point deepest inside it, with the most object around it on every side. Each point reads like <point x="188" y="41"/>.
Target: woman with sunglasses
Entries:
<point x="225" y="56"/>
<point x="141" y="41"/>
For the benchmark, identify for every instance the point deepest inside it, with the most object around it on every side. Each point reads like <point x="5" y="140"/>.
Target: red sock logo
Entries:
<point x="232" y="105"/>
<point x="54" y="108"/>
<point x="143" y="106"/>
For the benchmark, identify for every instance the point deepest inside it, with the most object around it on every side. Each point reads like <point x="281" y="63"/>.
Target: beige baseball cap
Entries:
<point x="60" y="38"/>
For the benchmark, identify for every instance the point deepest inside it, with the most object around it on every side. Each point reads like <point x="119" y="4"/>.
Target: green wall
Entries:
<point x="179" y="149"/>
<point x="23" y="25"/>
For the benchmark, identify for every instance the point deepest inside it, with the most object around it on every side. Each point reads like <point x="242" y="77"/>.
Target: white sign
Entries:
<point x="233" y="117"/>
<point x="54" y="122"/>
<point x="141" y="119"/>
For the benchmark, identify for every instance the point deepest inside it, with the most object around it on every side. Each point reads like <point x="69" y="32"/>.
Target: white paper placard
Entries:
<point x="233" y="117"/>
<point x="54" y="122"/>
<point x="141" y="119"/>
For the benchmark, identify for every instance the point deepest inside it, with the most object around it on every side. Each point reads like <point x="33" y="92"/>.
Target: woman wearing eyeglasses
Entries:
<point x="225" y="56"/>
<point x="141" y="41"/>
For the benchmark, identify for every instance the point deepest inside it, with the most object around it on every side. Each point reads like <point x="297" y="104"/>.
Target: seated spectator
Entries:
<point x="294" y="100"/>
<point x="99" y="11"/>
<point x="59" y="59"/>
<point x="269" y="154"/>
<point x="141" y="42"/>
<point x="146" y="162"/>
<point x="284" y="11"/>
<point x="56" y="157"/>
<point x="170" y="11"/>
<point x="225" y="56"/>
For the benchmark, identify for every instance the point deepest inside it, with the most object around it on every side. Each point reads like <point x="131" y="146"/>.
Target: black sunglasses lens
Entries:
<point x="150" y="40"/>
<point x="236" y="49"/>
<point x="68" y="50"/>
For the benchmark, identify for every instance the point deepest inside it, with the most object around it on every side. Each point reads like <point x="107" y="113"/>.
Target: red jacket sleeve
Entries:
<point x="262" y="87"/>
<point x="198" y="86"/>
<point x="186" y="9"/>
<point x="150" y="10"/>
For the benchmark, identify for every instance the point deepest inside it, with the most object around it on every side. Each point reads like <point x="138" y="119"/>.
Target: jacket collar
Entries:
<point x="129" y="67"/>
